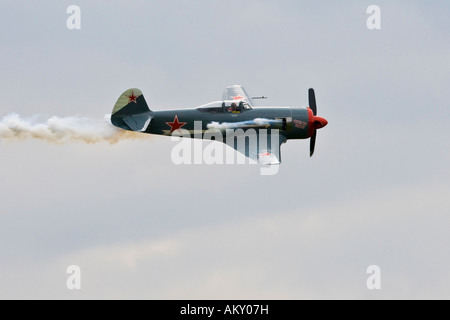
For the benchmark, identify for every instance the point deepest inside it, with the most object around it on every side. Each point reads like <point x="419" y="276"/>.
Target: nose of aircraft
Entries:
<point x="319" y="122"/>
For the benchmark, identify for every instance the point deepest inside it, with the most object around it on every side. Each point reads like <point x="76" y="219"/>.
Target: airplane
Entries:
<point x="236" y="110"/>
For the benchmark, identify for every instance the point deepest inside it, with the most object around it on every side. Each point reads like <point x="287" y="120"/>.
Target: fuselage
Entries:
<point x="293" y="123"/>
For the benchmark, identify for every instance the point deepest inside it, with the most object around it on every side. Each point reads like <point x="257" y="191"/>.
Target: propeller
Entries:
<point x="318" y="122"/>
<point x="312" y="143"/>
<point x="312" y="101"/>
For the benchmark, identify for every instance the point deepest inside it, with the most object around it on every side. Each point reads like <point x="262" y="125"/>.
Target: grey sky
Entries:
<point x="375" y="192"/>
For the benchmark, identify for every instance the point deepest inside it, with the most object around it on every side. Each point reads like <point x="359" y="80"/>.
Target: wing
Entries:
<point x="238" y="93"/>
<point x="264" y="149"/>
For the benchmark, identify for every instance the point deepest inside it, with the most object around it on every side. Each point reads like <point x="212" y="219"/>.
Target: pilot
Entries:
<point x="233" y="107"/>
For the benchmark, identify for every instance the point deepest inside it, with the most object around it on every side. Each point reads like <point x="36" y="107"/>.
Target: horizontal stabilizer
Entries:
<point x="137" y="123"/>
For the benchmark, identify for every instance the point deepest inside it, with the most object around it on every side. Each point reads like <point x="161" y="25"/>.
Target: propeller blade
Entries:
<point x="312" y="101"/>
<point x="312" y="143"/>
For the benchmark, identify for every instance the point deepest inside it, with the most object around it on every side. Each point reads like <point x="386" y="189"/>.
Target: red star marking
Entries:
<point x="238" y="98"/>
<point x="132" y="98"/>
<point x="175" y="125"/>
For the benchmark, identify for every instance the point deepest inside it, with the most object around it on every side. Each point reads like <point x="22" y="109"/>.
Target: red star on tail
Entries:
<point x="132" y="98"/>
<point x="175" y="125"/>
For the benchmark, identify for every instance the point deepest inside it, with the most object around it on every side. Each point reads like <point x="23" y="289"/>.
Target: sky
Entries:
<point x="140" y="227"/>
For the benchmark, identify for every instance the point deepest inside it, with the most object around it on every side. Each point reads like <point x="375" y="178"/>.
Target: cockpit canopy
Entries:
<point x="228" y="106"/>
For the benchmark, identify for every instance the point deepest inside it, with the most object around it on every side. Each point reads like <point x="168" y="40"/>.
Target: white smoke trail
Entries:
<point x="62" y="130"/>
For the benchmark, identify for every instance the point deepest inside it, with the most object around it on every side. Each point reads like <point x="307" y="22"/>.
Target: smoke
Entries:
<point x="62" y="130"/>
<point x="258" y="122"/>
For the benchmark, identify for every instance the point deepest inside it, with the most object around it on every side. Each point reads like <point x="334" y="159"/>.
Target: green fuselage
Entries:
<point x="293" y="123"/>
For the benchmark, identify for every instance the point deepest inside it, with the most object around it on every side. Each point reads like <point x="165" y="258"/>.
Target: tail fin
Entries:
<point x="131" y="112"/>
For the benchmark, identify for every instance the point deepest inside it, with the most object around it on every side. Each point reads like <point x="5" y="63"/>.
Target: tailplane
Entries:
<point x="131" y="111"/>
